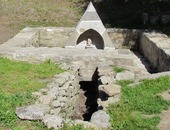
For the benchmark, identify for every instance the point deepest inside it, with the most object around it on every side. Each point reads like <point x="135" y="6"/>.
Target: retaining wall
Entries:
<point x="54" y="36"/>
<point x="58" y="37"/>
<point x="61" y="95"/>
<point x="156" y="48"/>
<point x="125" y="38"/>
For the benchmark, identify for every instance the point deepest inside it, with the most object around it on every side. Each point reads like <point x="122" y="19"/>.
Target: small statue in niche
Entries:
<point x="89" y="44"/>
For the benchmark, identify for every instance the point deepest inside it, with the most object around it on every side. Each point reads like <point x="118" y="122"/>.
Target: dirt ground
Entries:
<point x="165" y="120"/>
<point x="165" y="115"/>
<point x="15" y="15"/>
<point x="6" y="32"/>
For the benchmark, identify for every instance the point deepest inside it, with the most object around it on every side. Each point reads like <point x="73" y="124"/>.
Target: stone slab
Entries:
<point x="32" y="112"/>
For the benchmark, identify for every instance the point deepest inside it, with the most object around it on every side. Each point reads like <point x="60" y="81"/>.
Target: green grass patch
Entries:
<point x="75" y="127"/>
<point x="118" y="69"/>
<point x="24" y="77"/>
<point x="142" y="99"/>
<point x="17" y="81"/>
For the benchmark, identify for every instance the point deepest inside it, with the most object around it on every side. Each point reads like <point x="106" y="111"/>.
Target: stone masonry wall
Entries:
<point x="58" y="37"/>
<point x="55" y="103"/>
<point x="125" y="38"/>
<point x="156" y="48"/>
<point x="60" y="95"/>
<point x="25" y="38"/>
<point x="54" y="36"/>
<point x="41" y="37"/>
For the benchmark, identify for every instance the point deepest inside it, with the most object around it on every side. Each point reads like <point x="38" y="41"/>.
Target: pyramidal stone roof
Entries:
<point x="90" y="14"/>
<point x="90" y="21"/>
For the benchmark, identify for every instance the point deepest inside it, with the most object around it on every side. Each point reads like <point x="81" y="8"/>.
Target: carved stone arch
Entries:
<point x="95" y="37"/>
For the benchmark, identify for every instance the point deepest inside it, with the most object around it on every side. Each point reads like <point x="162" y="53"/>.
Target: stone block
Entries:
<point x="126" y="75"/>
<point x="66" y="85"/>
<point x="55" y="104"/>
<point x="55" y="111"/>
<point x="65" y="75"/>
<point x="62" y="99"/>
<point x="110" y="90"/>
<point x="62" y="93"/>
<point x="46" y="99"/>
<point x="110" y="100"/>
<point x="105" y="80"/>
<point x="32" y="112"/>
<point x="53" y="121"/>
<point x="36" y="94"/>
<point x="101" y="119"/>
<point x="154" y="46"/>
<point x="43" y="90"/>
<point x="53" y="92"/>
<point x="86" y="125"/>
<point x="60" y="81"/>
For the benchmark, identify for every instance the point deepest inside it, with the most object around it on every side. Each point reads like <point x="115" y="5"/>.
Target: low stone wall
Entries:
<point x="41" y="37"/>
<point x="58" y="37"/>
<point x="55" y="103"/>
<point x="125" y="38"/>
<point x="25" y="38"/>
<point x="156" y="48"/>
<point x="54" y="36"/>
<point x="61" y="95"/>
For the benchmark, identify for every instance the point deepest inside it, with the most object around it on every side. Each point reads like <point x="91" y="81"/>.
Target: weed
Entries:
<point x="118" y="69"/>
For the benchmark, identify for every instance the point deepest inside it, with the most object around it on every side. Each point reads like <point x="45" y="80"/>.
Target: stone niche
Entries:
<point x="94" y="36"/>
<point x="90" y="32"/>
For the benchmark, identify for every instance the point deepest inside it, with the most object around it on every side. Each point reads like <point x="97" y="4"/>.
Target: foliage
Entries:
<point x="142" y="99"/>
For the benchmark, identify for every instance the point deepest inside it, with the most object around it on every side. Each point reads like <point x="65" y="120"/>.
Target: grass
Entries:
<point x="139" y="101"/>
<point x="17" y="81"/>
<point x="118" y="69"/>
<point x="18" y="14"/>
<point x="41" y="13"/>
<point x="76" y="127"/>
